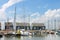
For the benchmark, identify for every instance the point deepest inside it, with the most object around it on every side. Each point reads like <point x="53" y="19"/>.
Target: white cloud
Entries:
<point x="5" y="6"/>
<point x="9" y="3"/>
<point x="35" y="14"/>
<point x="52" y="13"/>
<point x="2" y="15"/>
<point x="48" y="15"/>
<point x="37" y="18"/>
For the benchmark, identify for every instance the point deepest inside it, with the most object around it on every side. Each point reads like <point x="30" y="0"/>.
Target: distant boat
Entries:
<point x="58" y="32"/>
<point x="1" y="36"/>
<point x="23" y="33"/>
<point x="18" y="33"/>
<point x="9" y="34"/>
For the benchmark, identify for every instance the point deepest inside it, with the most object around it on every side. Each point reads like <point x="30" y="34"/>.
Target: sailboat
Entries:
<point x="17" y="32"/>
<point x="57" y="31"/>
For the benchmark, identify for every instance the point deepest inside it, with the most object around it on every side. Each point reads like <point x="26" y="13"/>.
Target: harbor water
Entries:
<point x="46" y="37"/>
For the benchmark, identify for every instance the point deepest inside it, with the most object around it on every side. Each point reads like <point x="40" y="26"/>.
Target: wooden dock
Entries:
<point x="4" y="32"/>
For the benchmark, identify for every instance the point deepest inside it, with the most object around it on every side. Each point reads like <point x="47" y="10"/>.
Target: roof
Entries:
<point x="38" y="24"/>
<point x="8" y="23"/>
<point x="22" y="24"/>
<point x="25" y="24"/>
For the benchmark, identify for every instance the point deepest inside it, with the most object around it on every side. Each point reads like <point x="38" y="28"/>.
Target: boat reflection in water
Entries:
<point x="46" y="37"/>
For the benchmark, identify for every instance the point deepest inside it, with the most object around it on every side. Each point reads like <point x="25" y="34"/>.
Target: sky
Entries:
<point x="33" y="11"/>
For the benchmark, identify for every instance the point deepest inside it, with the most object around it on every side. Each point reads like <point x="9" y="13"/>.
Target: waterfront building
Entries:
<point x="38" y="26"/>
<point x="8" y="26"/>
<point x="26" y="26"/>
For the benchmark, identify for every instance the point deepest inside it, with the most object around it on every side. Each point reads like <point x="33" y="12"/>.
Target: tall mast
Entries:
<point x="55" y="24"/>
<point x="15" y="19"/>
<point x="8" y="19"/>
<point x="30" y="23"/>
<point x="24" y="16"/>
<point x="48" y="24"/>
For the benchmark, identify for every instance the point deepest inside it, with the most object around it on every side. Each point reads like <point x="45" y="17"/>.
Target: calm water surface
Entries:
<point x="46" y="37"/>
